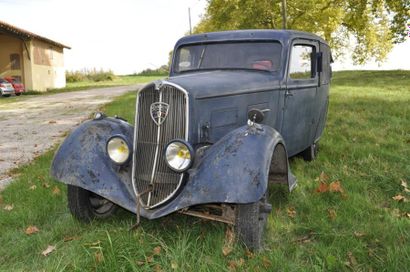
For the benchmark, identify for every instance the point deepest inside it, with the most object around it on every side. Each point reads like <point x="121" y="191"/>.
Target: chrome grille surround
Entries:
<point x="149" y="168"/>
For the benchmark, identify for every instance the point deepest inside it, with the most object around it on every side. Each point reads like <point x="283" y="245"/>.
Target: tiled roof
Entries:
<point x="26" y="35"/>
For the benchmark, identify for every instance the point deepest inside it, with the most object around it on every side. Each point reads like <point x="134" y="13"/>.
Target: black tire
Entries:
<point x="310" y="153"/>
<point x="18" y="94"/>
<point x="87" y="206"/>
<point x="6" y="95"/>
<point x="250" y="222"/>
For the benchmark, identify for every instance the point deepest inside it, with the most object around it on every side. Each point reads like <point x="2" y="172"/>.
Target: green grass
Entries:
<point x="366" y="146"/>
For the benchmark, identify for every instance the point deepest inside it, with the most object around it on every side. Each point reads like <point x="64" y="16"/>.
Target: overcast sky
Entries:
<point x="128" y="36"/>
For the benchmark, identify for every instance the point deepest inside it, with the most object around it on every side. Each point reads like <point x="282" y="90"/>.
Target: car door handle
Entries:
<point x="288" y="93"/>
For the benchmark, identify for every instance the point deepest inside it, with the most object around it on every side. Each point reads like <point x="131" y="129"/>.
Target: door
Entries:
<point x="301" y="86"/>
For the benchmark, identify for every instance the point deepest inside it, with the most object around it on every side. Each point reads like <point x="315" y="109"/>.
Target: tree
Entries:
<point x="374" y="25"/>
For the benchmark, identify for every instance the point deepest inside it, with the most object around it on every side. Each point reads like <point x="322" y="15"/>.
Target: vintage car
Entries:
<point x="17" y="85"/>
<point x="208" y="140"/>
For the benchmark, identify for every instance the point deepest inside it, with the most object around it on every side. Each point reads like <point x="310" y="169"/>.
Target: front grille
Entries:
<point x="152" y="178"/>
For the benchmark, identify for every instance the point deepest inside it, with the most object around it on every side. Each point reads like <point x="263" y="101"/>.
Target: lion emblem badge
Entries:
<point x="159" y="112"/>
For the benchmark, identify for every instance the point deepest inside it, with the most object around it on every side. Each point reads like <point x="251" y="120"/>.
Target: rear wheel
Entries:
<point x="250" y="222"/>
<point x="18" y="94"/>
<point x="87" y="206"/>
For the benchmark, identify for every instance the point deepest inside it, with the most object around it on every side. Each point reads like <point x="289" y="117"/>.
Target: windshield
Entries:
<point x="240" y="55"/>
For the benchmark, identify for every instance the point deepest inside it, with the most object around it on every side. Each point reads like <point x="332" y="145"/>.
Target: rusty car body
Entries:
<point x="208" y="140"/>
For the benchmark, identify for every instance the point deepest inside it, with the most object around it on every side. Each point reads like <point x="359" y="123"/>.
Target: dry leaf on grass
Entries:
<point x="249" y="254"/>
<point x="157" y="268"/>
<point x="266" y="262"/>
<point x="99" y="257"/>
<point x="291" y="212"/>
<point x="156" y="250"/>
<point x="48" y="250"/>
<point x="399" y="198"/>
<point x="46" y="185"/>
<point x="70" y="238"/>
<point x="229" y="241"/>
<point x="323" y="187"/>
<point x="331" y="213"/>
<point x="174" y="265"/>
<point x="336" y="187"/>
<point x="8" y="207"/>
<point x="52" y="122"/>
<point x="352" y="260"/>
<point x="359" y="234"/>
<point x="56" y="191"/>
<point x="33" y="187"/>
<point x="31" y="230"/>
<point x="405" y="186"/>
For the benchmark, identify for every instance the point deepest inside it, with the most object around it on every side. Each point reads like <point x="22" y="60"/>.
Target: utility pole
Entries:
<point x="284" y="23"/>
<point x="190" y="26"/>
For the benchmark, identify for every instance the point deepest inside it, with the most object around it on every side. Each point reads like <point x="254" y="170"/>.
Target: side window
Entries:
<point x="184" y="62"/>
<point x="301" y="64"/>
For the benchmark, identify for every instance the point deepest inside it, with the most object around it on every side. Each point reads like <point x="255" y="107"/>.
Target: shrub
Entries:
<point x="90" y="75"/>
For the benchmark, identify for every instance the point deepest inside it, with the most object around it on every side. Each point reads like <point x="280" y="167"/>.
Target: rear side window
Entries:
<point x="301" y="62"/>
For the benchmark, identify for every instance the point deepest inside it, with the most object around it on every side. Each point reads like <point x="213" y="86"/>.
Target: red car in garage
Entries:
<point x="17" y="85"/>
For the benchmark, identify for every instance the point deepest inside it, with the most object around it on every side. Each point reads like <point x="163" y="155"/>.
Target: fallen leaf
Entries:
<point x="359" y="234"/>
<point x="140" y="263"/>
<point x="52" y="122"/>
<point x="336" y="187"/>
<point x="407" y="215"/>
<point x="99" y="257"/>
<point x="48" y="250"/>
<point x="399" y="198"/>
<point x="232" y="265"/>
<point x="46" y="185"/>
<point x="265" y="262"/>
<point x="291" y="212"/>
<point x="174" y="265"/>
<point x="56" y="191"/>
<point x="331" y="213"/>
<point x="31" y="230"/>
<point x="35" y="145"/>
<point x="249" y="254"/>
<point x="229" y="241"/>
<point x="150" y="259"/>
<point x="323" y="177"/>
<point x="157" y="250"/>
<point x="9" y="207"/>
<point x="323" y="187"/>
<point x="33" y="187"/>
<point x="157" y="268"/>
<point x="70" y="238"/>
<point x="405" y="186"/>
<point x="352" y="259"/>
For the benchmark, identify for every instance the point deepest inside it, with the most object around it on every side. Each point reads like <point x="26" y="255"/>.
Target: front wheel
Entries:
<point x="87" y="206"/>
<point x="250" y="222"/>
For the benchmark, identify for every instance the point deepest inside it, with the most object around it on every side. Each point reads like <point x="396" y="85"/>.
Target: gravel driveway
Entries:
<point x="30" y="126"/>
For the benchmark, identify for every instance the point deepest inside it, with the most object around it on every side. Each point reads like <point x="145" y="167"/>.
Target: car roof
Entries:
<point x="242" y="35"/>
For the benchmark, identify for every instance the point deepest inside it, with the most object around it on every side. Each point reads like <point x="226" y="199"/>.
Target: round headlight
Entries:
<point x="118" y="150"/>
<point x="179" y="155"/>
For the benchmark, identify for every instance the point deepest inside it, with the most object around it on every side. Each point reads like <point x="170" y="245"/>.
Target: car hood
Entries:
<point x="201" y="85"/>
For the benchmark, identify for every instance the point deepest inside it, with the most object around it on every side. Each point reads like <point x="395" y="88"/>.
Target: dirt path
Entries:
<point x="30" y="126"/>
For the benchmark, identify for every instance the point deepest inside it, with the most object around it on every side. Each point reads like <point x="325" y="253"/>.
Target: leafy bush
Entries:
<point x="89" y="75"/>
<point x="161" y="71"/>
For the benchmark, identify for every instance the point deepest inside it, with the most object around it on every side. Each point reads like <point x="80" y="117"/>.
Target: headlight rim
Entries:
<point x="122" y="137"/>
<point x="191" y="152"/>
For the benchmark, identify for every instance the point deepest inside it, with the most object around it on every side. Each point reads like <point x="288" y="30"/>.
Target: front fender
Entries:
<point x="233" y="170"/>
<point x="82" y="161"/>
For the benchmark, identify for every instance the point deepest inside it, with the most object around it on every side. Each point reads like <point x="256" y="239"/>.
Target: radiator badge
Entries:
<point x="159" y="112"/>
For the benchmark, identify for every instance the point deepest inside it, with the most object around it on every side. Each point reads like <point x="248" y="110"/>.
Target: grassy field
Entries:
<point x="85" y="85"/>
<point x="358" y="224"/>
